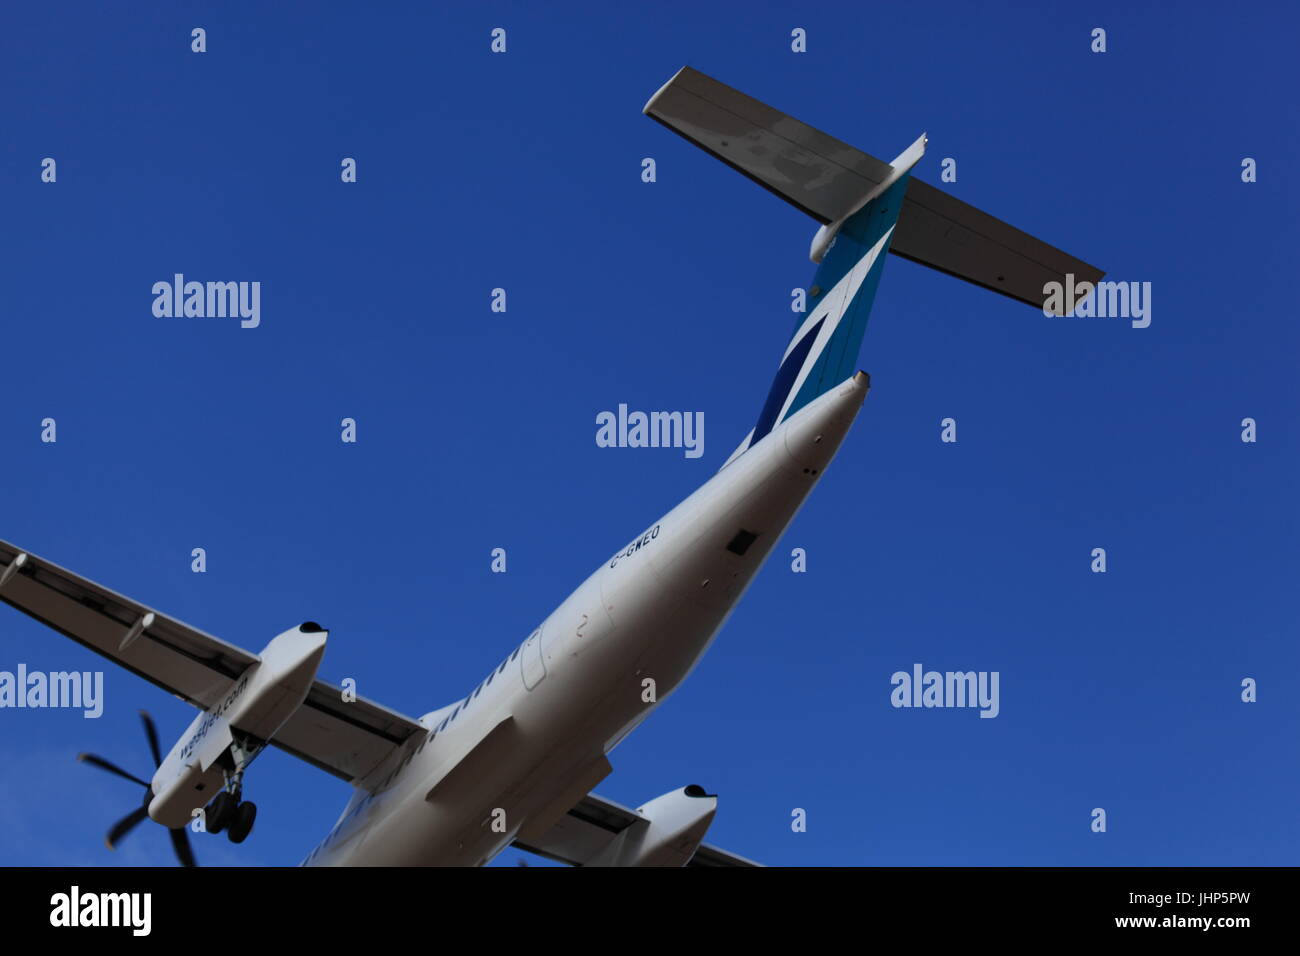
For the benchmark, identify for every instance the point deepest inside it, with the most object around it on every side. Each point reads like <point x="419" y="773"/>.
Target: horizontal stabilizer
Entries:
<point x="818" y="174"/>
<point x="940" y="231"/>
<point x="828" y="179"/>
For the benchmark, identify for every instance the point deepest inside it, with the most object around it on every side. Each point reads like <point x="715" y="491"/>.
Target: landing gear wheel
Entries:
<point x="242" y="824"/>
<point x="221" y="811"/>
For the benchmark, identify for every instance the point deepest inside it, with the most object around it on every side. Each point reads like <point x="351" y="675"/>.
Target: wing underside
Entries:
<point x="348" y="739"/>
<point x="589" y="827"/>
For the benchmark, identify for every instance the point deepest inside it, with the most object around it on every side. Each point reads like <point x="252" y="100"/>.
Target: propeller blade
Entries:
<point x="151" y="732"/>
<point x="103" y="764"/>
<point x="181" y="844"/>
<point x="125" y="825"/>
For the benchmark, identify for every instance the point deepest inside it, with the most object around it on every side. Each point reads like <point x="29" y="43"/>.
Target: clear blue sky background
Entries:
<point x="477" y="429"/>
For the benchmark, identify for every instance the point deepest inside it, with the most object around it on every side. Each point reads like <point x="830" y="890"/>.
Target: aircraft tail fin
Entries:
<point x="866" y="207"/>
<point x="824" y="345"/>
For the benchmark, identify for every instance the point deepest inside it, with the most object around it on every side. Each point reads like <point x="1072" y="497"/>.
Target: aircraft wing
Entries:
<point x="348" y="740"/>
<point x="593" y="824"/>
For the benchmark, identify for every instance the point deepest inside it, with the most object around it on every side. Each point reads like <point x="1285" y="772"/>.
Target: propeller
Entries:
<point x="180" y="839"/>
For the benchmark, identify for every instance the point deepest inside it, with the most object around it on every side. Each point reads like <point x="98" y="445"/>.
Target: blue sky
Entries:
<point x="476" y="429"/>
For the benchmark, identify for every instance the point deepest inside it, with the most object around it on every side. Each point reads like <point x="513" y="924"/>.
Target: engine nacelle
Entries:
<point x="672" y="828"/>
<point x="257" y="704"/>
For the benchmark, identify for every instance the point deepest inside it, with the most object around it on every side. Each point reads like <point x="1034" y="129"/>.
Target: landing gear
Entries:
<point x="228" y="811"/>
<point x="242" y="825"/>
<point x="221" y="811"/>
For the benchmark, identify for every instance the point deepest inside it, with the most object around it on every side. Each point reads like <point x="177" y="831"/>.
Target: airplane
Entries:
<point x="515" y="761"/>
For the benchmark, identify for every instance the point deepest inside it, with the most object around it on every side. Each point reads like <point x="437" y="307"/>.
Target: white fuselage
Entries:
<point x="531" y="741"/>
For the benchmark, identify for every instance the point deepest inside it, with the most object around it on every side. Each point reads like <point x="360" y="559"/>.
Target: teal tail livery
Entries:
<point x="866" y="208"/>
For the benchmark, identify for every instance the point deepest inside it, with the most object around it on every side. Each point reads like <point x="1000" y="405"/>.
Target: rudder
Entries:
<point x="823" y="349"/>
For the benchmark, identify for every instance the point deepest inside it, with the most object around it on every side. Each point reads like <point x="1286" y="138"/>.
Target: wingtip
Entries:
<point x="645" y="110"/>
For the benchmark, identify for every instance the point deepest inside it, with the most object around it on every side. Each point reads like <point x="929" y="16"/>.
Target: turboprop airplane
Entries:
<point x="514" y="761"/>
